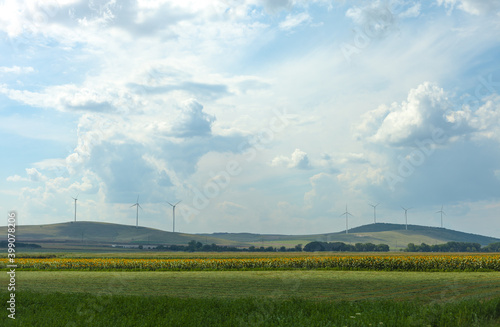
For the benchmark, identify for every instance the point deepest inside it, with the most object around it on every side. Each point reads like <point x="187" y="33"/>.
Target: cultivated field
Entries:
<point x="478" y="262"/>
<point x="305" y="284"/>
<point x="259" y="296"/>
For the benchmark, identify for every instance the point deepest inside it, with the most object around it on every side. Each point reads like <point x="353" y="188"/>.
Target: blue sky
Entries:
<point x="261" y="116"/>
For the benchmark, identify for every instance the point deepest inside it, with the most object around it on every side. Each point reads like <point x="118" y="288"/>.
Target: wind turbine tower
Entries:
<point x="441" y="212"/>
<point x="406" y="216"/>
<point x="173" y="215"/>
<point x="75" y="198"/>
<point x="347" y="214"/>
<point x="374" y="212"/>
<point x="136" y="204"/>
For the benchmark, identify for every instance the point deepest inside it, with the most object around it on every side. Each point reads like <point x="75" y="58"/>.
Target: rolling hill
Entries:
<point x="395" y="235"/>
<point x="86" y="232"/>
<point x="67" y="235"/>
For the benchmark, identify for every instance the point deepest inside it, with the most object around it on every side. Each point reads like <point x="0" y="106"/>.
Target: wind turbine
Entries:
<point x="173" y="214"/>
<point x="136" y="204"/>
<point x="374" y="212"/>
<point x="442" y="212"/>
<point x="406" y="216"/>
<point x="75" y="198"/>
<point x="346" y="213"/>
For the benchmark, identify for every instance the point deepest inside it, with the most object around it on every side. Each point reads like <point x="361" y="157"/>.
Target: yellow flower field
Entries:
<point x="369" y="262"/>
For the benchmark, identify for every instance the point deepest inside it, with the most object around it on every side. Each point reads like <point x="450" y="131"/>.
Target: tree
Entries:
<point x="411" y="248"/>
<point x="425" y="248"/>
<point x="191" y="246"/>
<point x="493" y="247"/>
<point x="314" y="246"/>
<point x="338" y="246"/>
<point x="369" y="247"/>
<point x="382" y="248"/>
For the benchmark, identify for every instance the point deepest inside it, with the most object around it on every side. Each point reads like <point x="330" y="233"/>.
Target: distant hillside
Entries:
<point x="433" y="232"/>
<point x="96" y="233"/>
<point x="104" y="233"/>
<point x="394" y="235"/>
<point x="249" y="237"/>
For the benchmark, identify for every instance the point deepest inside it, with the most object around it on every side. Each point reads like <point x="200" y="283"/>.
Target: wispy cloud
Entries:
<point x="17" y="70"/>
<point x="292" y="21"/>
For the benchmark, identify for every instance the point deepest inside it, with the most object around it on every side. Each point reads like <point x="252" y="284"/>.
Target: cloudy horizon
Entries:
<point x="261" y="116"/>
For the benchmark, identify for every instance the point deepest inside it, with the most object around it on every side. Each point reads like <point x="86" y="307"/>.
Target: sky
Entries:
<point x="261" y="116"/>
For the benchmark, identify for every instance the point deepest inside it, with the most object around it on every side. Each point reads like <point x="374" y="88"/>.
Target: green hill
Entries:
<point x="395" y="235"/>
<point x="68" y="235"/>
<point x="433" y="232"/>
<point x="86" y="232"/>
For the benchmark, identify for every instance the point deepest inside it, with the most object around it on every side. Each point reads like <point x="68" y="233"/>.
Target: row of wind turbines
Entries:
<point x="137" y="205"/>
<point x="347" y="214"/>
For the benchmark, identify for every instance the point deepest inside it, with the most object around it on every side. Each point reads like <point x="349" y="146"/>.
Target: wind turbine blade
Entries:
<point x="169" y="203"/>
<point x="139" y="206"/>
<point x="178" y="202"/>
<point x="137" y="199"/>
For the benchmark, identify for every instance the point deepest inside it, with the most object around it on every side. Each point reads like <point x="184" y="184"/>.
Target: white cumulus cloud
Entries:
<point x="298" y="159"/>
<point x="418" y="117"/>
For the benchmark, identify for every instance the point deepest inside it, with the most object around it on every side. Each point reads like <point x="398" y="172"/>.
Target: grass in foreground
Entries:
<point x="306" y="284"/>
<point x="58" y="309"/>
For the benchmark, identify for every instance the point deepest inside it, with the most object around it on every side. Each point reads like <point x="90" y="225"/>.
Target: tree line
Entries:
<point x="194" y="246"/>
<point x="4" y="244"/>
<point x="343" y="247"/>
<point x="453" y="247"/>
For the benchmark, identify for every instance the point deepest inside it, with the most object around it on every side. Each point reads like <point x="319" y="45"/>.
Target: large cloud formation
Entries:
<point x="428" y="111"/>
<point x="433" y="140"/>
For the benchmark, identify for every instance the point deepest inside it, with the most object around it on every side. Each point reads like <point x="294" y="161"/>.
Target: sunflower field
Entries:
<point x="370" y="262"/>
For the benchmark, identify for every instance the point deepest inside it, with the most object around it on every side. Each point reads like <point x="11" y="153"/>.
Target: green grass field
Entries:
<point x="83" y="309"/>
<point x="310" y="284"/>
<point x="251" y="298"/>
